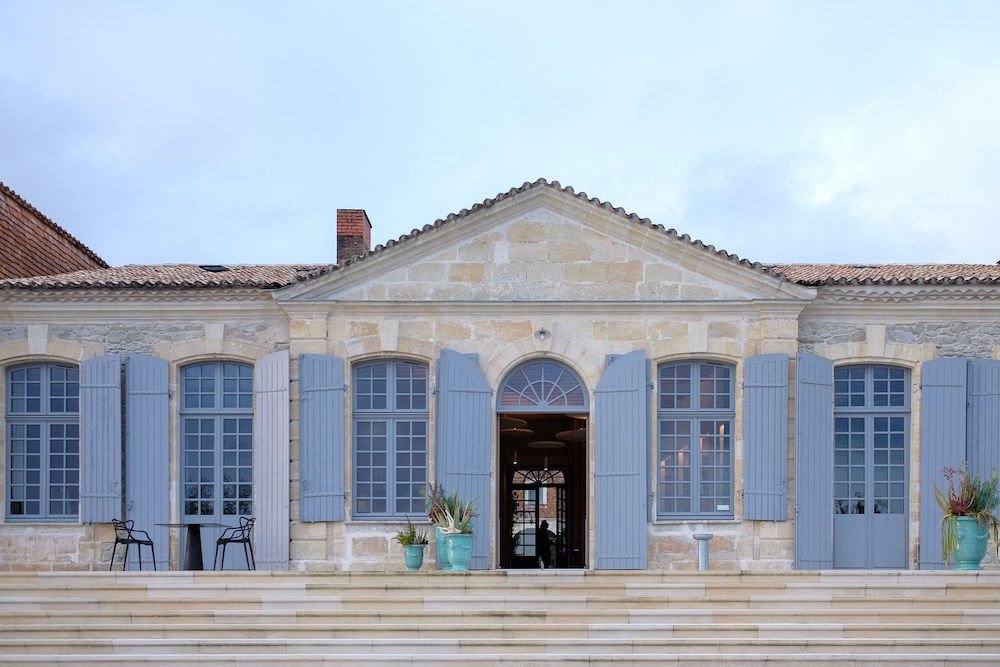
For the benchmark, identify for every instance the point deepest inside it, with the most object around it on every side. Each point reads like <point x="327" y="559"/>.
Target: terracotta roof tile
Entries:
<point x="186" y="276"/>
<point x="192" y="276"/>
<point x="890" y="274"/>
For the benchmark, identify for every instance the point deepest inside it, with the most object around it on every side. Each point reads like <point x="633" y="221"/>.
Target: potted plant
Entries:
<point x="435" y="500"/>
<point x="413" y="543"/>
<point x="452" y="517"/>
<point x="969" y="521"/>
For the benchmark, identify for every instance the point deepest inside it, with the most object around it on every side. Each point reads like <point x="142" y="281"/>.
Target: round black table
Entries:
<point x="192" y="545"/>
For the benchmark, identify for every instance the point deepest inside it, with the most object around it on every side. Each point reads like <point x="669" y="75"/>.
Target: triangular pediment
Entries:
<point x="546" y="243"/>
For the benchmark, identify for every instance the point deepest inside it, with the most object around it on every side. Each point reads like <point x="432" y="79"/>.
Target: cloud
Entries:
<point x="924" y="160"/>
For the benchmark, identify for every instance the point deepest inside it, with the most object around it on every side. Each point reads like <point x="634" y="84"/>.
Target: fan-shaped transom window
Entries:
<point x="542" y="386"/>
<point x="543" y="477"/>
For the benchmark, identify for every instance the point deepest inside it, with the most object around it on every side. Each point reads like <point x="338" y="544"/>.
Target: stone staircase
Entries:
<point x="500" y="618"/>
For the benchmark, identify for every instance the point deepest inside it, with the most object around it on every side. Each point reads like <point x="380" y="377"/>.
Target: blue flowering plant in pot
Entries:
<point x="452" y="517"/>
<point x="413" y="542"/>
<point x="970" y="521"/>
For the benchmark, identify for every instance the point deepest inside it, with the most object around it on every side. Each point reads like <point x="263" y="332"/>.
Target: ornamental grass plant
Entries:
<point x="969" y="496"/>
<point x="410" y="536"/>
<point x="448" y="511"/>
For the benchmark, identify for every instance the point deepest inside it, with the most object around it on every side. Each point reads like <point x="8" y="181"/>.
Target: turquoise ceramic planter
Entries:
<point x="442" y="549"/>
<point x="413" y="556"/>
<point x="459" y="546"/>
<point x="973" y="537"/>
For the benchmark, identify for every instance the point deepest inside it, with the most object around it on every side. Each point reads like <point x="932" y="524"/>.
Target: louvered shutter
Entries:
<point x="813" y="462"/>
<point x="147" y="452"/>
<point x="983" y="448"/>
<point x="462" y="450"/>
<point x="271" y="467"/>
<point x="100" y="439"/>
<point x="765" y="436"/>
<point x="321" y="437"/>
<point x="943" y="437"/>
<point x="621" y="479"/>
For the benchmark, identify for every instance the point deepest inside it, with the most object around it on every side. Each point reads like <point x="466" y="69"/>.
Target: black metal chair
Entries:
<point x="241" y="534"/>
<point x="127" y="535"/>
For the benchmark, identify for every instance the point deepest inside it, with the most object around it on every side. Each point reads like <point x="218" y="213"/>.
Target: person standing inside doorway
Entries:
<point x="544" y="546"/>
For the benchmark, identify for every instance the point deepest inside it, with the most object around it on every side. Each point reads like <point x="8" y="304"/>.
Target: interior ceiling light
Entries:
<point x="512" y="422"/>
<point x="574" y="435"/>
<point x="517" y="431"/>
<point x="545" y="444"/>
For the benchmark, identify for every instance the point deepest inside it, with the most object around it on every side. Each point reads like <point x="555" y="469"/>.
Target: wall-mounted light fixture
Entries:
<point x="543" y="334"/>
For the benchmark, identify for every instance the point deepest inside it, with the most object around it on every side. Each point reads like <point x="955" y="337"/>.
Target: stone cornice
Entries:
<point x="101" y="305"/>
<point x="878" y="302"/>
<point x="778" y="309"/>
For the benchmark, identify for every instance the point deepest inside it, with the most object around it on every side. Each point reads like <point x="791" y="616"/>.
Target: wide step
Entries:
<point x="501" y="619"/>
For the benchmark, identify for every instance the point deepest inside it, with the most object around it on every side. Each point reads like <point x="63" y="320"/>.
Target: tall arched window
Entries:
<point x="695" y="412"/>
<point x="43" y="442"/>
<point x="389" y="427"/>
<point x="217" y="440"/>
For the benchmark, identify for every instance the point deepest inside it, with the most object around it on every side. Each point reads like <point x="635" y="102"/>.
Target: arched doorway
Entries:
<point x="542" y="413"/>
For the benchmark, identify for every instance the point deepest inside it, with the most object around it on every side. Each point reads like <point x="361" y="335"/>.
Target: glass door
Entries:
<point x="216" y="453"/>
<point x="539" y="519"/>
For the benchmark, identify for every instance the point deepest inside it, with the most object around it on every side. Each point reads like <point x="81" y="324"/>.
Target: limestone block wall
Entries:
<point x="502" y="337"/>
<point x="544" y="255"/>
<point x="75" y="546"/>
<point x="55" y="547"/>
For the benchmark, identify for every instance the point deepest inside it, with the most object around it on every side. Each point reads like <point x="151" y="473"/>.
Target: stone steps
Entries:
<point x="264" y="618"/>
<point x="443" y="630"/>
<point x="500" y="618"/>
<point x="529" y="646"/>
<point x="708" y="659"/>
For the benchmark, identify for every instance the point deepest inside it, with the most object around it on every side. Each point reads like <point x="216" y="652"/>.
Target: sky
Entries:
<point x="231" y="131"/>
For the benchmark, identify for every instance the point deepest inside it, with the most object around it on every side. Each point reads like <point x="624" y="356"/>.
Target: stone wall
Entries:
<point x="56" y="547"/>
<point x="130" y="338"/>
<point x="33" y="245"/>
<point x="580" y="337"/>
<point x="951" y="339"/>
<point x="10" y="332"/>
<point x="72" y="546"/>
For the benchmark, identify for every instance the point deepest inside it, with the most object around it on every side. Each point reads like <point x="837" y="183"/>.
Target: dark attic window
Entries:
<point x="213" y="268"/>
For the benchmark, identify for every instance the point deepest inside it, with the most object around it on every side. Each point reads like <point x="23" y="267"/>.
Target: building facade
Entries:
<point x="33" y="245"/>
<point x="545" y="354"/>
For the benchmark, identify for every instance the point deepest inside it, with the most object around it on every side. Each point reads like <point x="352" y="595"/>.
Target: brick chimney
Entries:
<point x="354" y="233"/>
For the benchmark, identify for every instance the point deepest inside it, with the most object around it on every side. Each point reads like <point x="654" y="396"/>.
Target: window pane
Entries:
<point x="390" y="452"/>
<point x="694" y="449"/>
<point x="217" y="444"/>
<point x="675" y="387"/>
<point x="43" y="462"/>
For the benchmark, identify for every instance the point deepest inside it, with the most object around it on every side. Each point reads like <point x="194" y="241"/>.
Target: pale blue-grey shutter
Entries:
<point x="462" y="450"/>
<point x="100" y="439"/>
<point x="271" y="467"/>
<point x="321" y="437"/>
<point x="621" y="479"/>
<point x="813" y="462"/>
<point x="765" y="436"/>
<point x="147" y="452"/>
<point x="943" y="437"/>
<point x="983" y="449"/>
